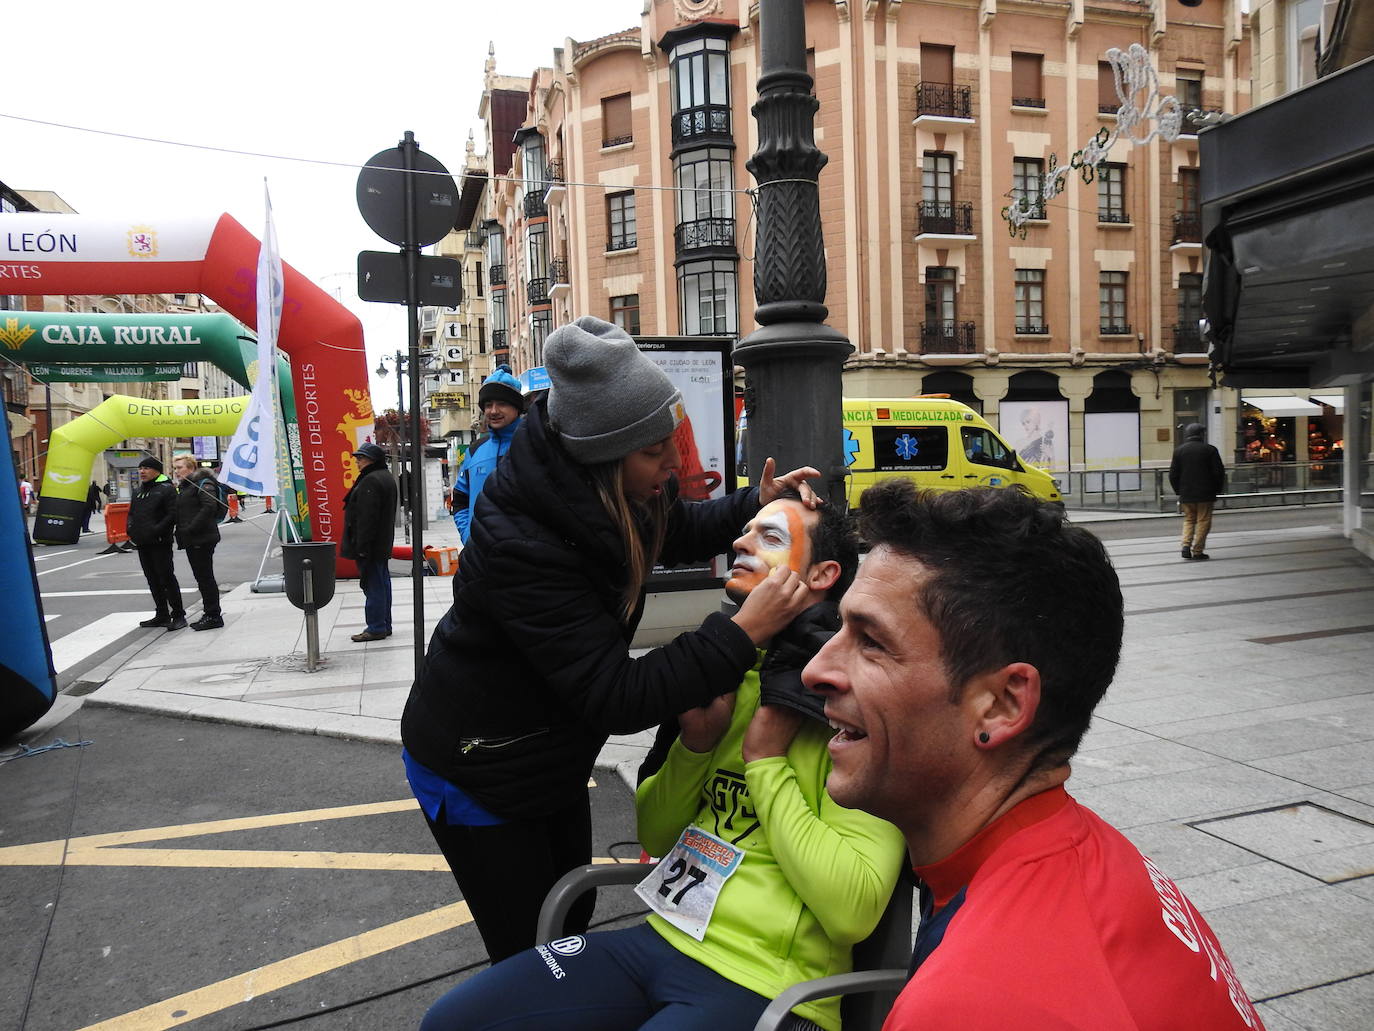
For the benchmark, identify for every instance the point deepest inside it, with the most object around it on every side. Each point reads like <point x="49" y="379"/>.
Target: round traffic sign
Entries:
<point x="382" y="195"/>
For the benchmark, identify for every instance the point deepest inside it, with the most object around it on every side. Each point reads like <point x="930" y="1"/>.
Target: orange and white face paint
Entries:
<point x="777" y="536"/>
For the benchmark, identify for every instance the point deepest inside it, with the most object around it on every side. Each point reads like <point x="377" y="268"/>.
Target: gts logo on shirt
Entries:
<point x="733" y="811"/>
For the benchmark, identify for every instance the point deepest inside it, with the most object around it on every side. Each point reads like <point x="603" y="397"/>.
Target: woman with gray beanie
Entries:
<point x="529" y="672"/>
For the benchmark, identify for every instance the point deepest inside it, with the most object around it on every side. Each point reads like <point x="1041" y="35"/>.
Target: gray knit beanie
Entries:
<point x="606" y="398"/>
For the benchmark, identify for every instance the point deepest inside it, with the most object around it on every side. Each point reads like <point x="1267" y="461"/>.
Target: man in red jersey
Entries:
<point x="978" y="637"/>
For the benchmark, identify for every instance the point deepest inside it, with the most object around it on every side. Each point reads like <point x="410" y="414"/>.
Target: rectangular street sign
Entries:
<point x="382" y="277"/>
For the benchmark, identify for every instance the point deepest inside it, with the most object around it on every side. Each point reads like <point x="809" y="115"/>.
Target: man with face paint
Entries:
<point x="764" y="880"/>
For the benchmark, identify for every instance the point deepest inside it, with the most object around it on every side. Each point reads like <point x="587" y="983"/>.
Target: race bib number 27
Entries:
<point x="684" y="887"/>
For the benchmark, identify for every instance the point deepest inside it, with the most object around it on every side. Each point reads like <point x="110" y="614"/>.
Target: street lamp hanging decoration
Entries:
<point x="1143" y="115"/>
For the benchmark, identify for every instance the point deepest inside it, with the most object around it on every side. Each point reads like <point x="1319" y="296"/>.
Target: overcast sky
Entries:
<point x="335" y="81"/>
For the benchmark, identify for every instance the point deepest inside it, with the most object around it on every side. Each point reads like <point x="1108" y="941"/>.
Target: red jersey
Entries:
<point x="1049" y="918"/>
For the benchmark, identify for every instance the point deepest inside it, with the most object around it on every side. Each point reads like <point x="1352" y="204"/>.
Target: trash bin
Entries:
<point x="321" y="556"/>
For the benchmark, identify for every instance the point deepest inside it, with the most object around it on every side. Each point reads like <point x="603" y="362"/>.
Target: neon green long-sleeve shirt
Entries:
<point x="815" y="877"/>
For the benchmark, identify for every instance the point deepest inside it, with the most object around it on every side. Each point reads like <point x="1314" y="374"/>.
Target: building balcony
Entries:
<point x="534" y="204"/>
<point x="616" y="141"/>
<point x="560" y="284"/>
<point x="556" y="186"/>
<point x="474" y="240"/>
<point x="1187" y="231"/>
<point x="704" y="124"/>
<point x="499" y="349"/>
<point x="705" y="233"/>
<point x="943" y="107"/>
<point x="1035" y="103"/>
<point x="1031" y="328"/>
<point x="1188" y="338"/>
<point x="496" y="275"/>
<point x="948" y="338"/>
<point x="537" y="291"/>
<point x="1114" y="329"/>
<point x="947" y="222"/>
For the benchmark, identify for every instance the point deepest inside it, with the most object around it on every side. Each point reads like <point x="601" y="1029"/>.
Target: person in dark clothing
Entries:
<point x="152" y="521"/>
<point x="529" y="672"/>
<point x="94" y="503"/>
<point x="369" y="532"/>
<point x="198" y="509"/>
<point x="1197" y="477"/>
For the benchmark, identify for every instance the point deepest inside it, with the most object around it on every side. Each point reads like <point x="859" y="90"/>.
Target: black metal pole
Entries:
<point x="412" y="253"/>
<point x="402" y="431"/>
<point x="793" y="362"/>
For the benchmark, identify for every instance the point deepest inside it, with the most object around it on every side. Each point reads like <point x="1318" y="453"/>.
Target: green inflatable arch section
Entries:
<point x="67" y="344"/>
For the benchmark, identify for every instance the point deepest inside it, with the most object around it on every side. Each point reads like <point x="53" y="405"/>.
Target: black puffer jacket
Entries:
<point x="1196" y="472"/>
<point x="152" y="513"/>
<point x="529" y="671"/>
<point x="198" y="509"/>
<point x="370" y="515"/>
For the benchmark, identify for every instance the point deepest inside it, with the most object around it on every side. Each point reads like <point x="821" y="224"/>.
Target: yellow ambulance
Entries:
<point x="934" y="440"/>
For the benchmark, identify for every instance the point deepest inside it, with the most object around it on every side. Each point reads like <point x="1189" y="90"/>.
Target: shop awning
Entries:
<point x="1282" y="404"/>
<point x="1336" y="401"/>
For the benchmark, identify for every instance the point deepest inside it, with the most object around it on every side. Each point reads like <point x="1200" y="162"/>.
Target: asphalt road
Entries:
<point x="92" y="602"/>
<point x="324" y="904"/>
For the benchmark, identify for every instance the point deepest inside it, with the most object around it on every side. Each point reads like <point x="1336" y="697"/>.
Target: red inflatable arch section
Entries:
<point x="73" y="254"/>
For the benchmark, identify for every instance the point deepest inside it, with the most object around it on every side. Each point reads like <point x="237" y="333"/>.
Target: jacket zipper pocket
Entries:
<point x="468" y="744"/>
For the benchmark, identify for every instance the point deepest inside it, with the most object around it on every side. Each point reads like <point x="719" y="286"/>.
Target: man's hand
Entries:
<point x="771" y="485"/>
<point x="701" y="729"/>
<point x="779" y="598"/>
<point x="770" y="732"/>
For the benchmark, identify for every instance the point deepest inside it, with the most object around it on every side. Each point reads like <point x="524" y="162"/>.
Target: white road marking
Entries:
<point x="72" y="565"/>
<point x="49" y="617"/>
<point x="89" y="639"/>
<point x="89" y="594"/>
<point x="39" y="556"/>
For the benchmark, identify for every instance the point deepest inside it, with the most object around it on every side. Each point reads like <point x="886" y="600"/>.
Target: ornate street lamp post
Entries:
<point x="793" y="362"/>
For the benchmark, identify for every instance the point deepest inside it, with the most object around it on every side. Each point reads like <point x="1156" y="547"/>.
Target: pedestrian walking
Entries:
<point x="94" y="503"/>
<point x="529" y="672"/>
<point x="502" y="406"/>
<point x="26" y="495"/>
<point x="369" y="532"/>
<point x="1197" y="476"/>
<point x="198" y="508"/>
<point x="152" y="524"/>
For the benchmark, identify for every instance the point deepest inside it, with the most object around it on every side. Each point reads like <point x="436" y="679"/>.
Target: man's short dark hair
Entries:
<point x="834" y="538"/>
<point x="1010" y="581"/>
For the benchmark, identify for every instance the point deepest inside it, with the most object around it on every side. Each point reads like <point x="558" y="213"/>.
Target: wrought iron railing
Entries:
<point x="498" y="343"/>
<point x="944" y="99"/>
<point x="474" y="239"/>
<point x="553" y="173"/>
<point x="694" y="123"/>
<point x="1120" y="218"/>
<point x="616" y="141"/>
<point x="1030" y="327"/>
<point x="946" y="219"/>
<point x="496" y="275"/>
<point x="1108" y="109"/>
<point x="1188" y="338"/>
<point x="1027" y="101"/>
<point x="1187" y="228"/>
<point x="622" y="240"/>
<point x="948" y="337"/>
<point x="537" y="291"/>
<point x="534" y="204"/>
<point x="704" y="232"/>
<point x="558" y="270"/>
<point x="1113" y="329"/>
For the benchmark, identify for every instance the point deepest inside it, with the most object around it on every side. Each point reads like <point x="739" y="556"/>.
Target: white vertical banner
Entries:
<point x="251" y="462"/>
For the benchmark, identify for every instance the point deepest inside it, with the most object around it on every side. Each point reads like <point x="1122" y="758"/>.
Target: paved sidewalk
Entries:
<point x="1236" y="746"/>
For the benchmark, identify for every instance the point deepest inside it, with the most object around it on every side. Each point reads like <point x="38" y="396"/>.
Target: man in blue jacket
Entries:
<point x="502" y="406"/>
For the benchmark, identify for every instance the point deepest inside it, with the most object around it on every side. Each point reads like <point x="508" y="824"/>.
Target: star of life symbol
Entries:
<point x="907" y="447"/>
<point x="851" y="447"/>
<point x="142" y="242"/>
<point x="13" y="336"/>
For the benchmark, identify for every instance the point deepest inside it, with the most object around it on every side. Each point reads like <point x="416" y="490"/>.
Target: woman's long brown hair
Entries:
<point x="640" y="554"/>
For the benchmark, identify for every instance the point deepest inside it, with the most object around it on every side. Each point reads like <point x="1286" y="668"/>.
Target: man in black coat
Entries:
<point x="94" y="503"/>
<point x="1197" y="476"/>
<point x="198" y="509"/>
<point x="152" y="519"/>
<point x="369" y="531"/>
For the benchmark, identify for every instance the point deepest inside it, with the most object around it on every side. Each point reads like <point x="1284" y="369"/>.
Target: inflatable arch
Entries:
<point x="73" y="254"/>
<point x="73" y="340"/>
<point x="28" y="684"/>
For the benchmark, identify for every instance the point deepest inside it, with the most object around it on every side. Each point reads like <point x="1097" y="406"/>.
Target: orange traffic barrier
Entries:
<point x="117" y="522"/>
<point x="233" y="509"/>
<point x="442" y="561"/>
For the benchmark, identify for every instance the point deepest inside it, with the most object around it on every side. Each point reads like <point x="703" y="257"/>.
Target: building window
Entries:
<point x="1187" y="338"/>
<point x="1030" y="301"/>
<point x="1188" y="89"/>
<point x="1027" y="88"/>
<point x="481" y="336"/>
<point x="1111" y="194"/>
<point x="621" y="232"/>
<point x="1108" y="103"/>
<point x="1302" y="30"/>
<point x="1027" y="184"/>
<point x="625" y="313"/>
<point x="937" y="178"/>
<point x="538" y="243"/>
<point x="707" y="293"/>
<point x="479" y="279"/>
<point x="541" y="323"/>
<point x="940" y="282"/>
<point x="701" y="89"/>
<point x="1111" y="304"/>
<point x="616" y="124"/>
<point x="705" y="199"/>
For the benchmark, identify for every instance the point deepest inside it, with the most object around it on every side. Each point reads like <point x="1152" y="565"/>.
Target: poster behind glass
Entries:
<point x="1111" y="441"/>
<point x="1039" y="431"/>
<point x="702" y="369"/>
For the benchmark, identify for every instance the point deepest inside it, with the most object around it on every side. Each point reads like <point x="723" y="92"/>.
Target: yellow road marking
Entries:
<point x="200" y="1002"/>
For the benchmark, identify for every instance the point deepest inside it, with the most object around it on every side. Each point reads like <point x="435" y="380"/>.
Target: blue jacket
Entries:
<point x="474" y="472"/>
